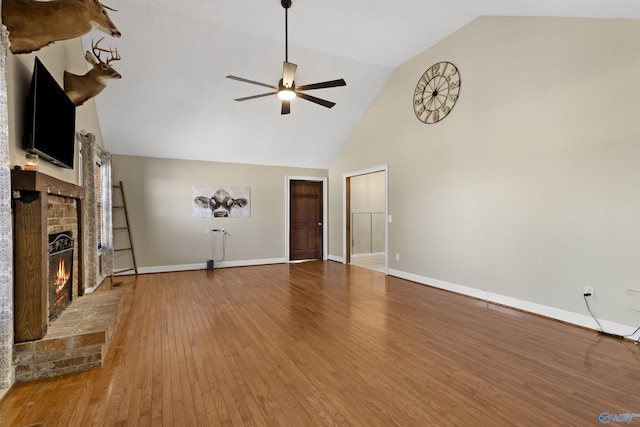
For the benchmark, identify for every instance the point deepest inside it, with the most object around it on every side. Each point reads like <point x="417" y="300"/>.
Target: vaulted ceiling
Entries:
<point x="175" y="102"/>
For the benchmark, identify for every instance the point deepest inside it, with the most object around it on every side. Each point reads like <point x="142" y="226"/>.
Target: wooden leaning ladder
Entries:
<point x="120" y="187"/>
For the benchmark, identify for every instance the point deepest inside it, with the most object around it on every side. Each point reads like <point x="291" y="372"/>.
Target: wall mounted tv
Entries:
<point x="50" y="120"/>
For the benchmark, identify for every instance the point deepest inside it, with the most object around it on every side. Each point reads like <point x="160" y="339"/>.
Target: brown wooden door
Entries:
<point x="305" y="235"/>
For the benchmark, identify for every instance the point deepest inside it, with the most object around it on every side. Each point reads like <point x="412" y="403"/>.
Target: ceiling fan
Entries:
<point x="286" y="88"/>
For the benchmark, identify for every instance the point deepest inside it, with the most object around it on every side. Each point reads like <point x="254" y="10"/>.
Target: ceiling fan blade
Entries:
<point x="286" y="107"/>
<point x="246" y="98"/>
<point x="240" y="79"/>
<point x="323" y="85"/>
<point x="288" y="72"/>
<point x="322" y="102"/>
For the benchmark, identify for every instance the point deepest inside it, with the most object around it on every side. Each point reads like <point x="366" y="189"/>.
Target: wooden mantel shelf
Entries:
<point x="23" y="180"/>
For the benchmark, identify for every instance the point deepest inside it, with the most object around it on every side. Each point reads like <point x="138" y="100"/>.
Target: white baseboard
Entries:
<point x="249" y="262"/>
<point x="336" y="258"/>
<point x="170" y="268"/>
<point x="366" y="255"/>
<point x="531" y="307"/>
<point x="203" y="266"/>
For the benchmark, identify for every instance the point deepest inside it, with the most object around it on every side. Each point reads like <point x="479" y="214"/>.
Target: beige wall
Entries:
<point x="165" y="236"/>
<point x="58" y="57"/>
<point x="529" y="189"/>
<point x="368" y="192"/>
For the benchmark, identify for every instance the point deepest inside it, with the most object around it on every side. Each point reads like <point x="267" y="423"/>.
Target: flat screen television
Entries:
<point x="50" y="120"/>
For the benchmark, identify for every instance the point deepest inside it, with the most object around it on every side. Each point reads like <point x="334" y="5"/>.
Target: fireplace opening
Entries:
<point x="60" y="272"/>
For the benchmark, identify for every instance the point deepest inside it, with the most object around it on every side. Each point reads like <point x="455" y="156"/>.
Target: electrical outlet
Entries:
<point x="589" y="290"/>
<point x="206" y="230"/>
<point x="397" y="257"/>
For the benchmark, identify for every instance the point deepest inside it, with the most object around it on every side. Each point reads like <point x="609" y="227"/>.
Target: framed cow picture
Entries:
<point x="220" y="202"/>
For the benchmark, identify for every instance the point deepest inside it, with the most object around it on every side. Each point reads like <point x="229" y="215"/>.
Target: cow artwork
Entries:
<point x="217" y="202"/>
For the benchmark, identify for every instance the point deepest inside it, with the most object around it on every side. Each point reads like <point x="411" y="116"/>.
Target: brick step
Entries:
<point x="78" y="340"/>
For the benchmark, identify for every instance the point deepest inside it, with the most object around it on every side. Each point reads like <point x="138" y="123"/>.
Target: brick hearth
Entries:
<point x="76" y="341"/>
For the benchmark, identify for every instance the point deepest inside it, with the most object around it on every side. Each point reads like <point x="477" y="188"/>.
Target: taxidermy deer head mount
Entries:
<point x="33" y="24"/>
<point x="81" y="88"/>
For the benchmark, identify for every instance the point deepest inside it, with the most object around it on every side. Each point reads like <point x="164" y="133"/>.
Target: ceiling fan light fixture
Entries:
<point x="286" y="94"/>
<point x="286" y="89"/>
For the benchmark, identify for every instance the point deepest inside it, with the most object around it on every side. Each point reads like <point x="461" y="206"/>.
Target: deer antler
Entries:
<point x="96" y="50"/>
<point x="115" y="56"/>
<point x="107" y="7"/>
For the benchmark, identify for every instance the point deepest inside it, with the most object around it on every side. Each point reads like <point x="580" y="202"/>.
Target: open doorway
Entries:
<point x="365" y="231"/>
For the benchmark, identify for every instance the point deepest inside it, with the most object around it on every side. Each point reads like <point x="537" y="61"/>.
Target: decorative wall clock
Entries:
<point x="436" y="92"/>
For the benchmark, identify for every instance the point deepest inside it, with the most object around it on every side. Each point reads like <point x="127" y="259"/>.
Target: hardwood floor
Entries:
<point x="373" y="262"/>
<point x="321" y="343"/>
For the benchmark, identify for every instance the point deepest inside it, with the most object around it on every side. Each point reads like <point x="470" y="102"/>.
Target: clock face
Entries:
<point x="436" y="92"/>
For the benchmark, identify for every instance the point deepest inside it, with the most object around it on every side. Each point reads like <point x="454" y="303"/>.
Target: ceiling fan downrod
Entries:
<point x="286" y="4"/>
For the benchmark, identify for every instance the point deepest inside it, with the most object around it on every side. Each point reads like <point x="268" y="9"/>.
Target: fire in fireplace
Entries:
<point x="60" y="272"/>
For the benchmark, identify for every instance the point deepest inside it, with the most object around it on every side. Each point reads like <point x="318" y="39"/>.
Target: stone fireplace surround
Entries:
<point x="79" y="338"/>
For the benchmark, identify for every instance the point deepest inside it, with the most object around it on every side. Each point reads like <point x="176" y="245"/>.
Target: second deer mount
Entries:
<point x="35" y="24"/>
<point x="82" y="88"/>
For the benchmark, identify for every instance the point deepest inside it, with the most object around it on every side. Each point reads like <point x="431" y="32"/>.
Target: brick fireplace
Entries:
<point x="57" y="331"/>
<point x="44" y="206"/>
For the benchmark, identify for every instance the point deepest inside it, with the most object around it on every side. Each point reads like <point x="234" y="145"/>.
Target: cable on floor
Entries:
<point x="601" y="329"/>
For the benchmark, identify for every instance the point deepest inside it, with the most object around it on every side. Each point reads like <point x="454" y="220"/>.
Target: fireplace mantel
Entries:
<point x="35" y="195"/>
<point x="36" y="181"/>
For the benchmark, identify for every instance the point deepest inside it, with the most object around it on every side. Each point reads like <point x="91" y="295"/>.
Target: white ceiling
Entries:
<point x="174" y="101"/>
